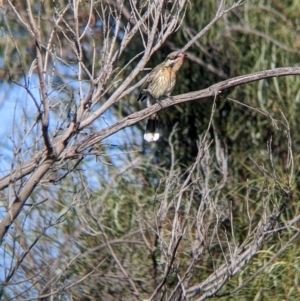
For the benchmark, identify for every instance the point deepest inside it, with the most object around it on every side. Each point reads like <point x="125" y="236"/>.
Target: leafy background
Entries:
<point x="124" y="186"/>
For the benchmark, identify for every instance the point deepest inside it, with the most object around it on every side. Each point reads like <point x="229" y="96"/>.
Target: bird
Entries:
<point x="159" y="84"/>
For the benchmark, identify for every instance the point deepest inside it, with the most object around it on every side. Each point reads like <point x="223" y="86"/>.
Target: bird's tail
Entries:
<point x="151" y="133"/>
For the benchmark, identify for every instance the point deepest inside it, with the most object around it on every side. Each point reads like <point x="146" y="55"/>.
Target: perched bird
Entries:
<point x="159" y="84"/>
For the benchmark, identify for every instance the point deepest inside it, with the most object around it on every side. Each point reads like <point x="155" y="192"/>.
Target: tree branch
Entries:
<point x="75" y="151"/>
<point x="197" y="95"/>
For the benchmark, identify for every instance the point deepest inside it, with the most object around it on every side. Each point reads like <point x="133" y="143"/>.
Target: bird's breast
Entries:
<point x="163" y="83"/>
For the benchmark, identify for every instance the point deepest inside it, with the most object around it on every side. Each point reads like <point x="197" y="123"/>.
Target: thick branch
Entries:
<point x="43" y="89"/>
<point x="197" y="95"/>
<point x="214" y="283"/>
<point x="34" y="180"/>
<point x="138" y="116"/>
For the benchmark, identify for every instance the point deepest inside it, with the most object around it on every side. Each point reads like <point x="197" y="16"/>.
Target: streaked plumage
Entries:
<point x="159" y="84"/>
